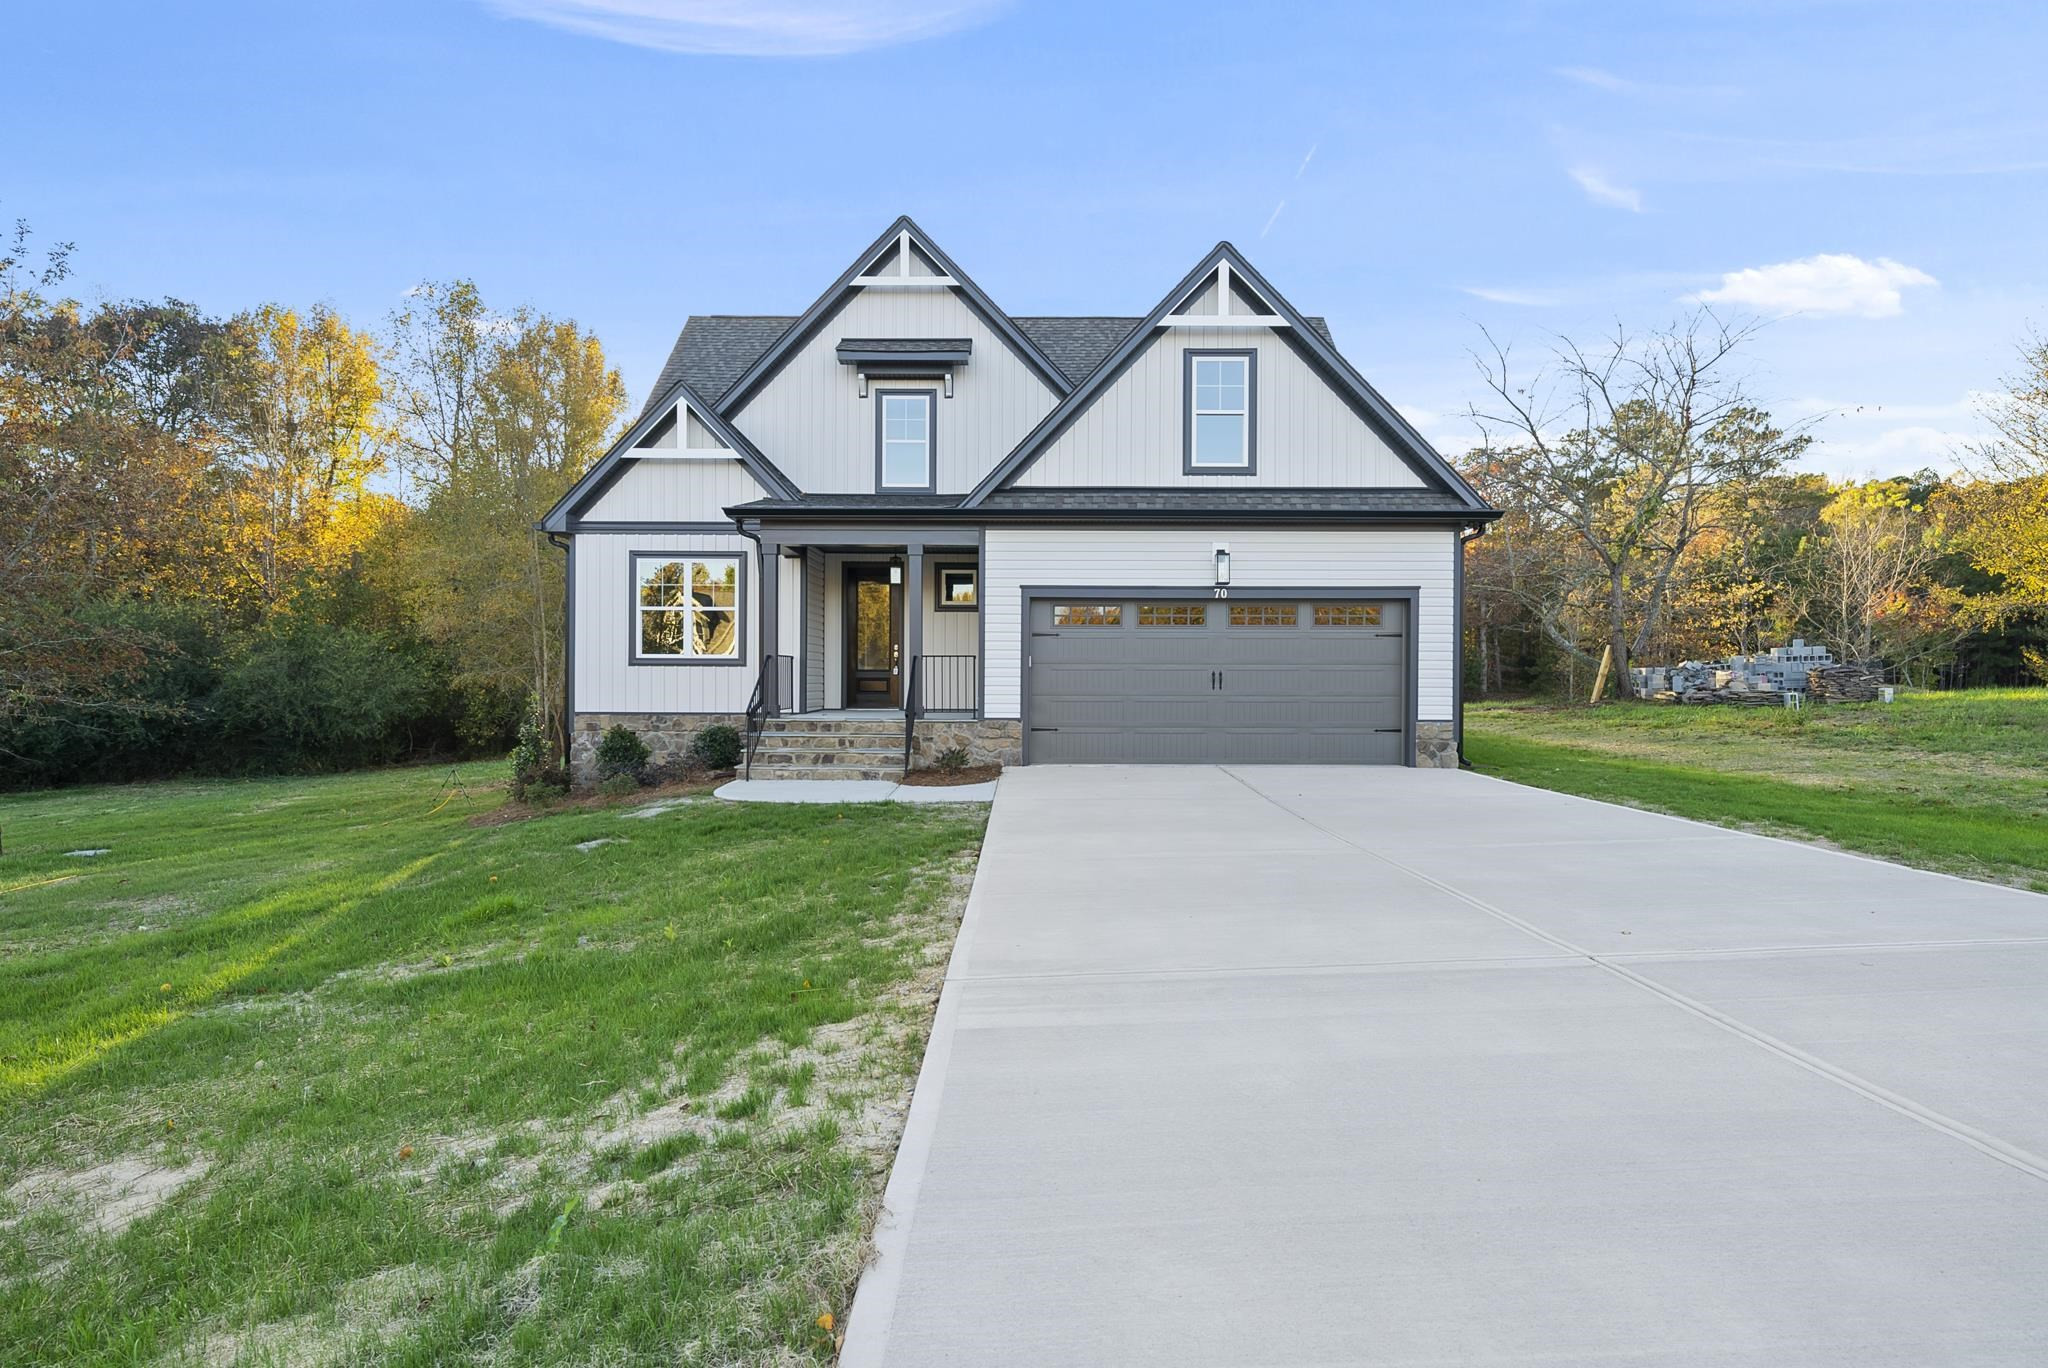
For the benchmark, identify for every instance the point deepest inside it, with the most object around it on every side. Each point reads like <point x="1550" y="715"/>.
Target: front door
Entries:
<point x="874" y="638"/>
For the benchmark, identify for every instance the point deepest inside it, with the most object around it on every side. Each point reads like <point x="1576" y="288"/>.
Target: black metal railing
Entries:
<point x="911" y="694"/>
<point x="949" y="683"/>
<point x="773" y="686"/>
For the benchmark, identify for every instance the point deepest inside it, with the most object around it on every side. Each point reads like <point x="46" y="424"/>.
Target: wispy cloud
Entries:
<point x="1830" y="283"/>
<point x="1272" y="218"/>
<point x="1601" y="190"/>
<point x="1533" y="299"/>
<point x="1302" y="170"/>
<point x="740" y="28"/>
<point x="1598" y="79"/>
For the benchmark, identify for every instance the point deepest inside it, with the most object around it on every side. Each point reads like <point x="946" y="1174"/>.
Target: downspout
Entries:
<point x="561" y="543"/>
<point x="1465" y="538"/>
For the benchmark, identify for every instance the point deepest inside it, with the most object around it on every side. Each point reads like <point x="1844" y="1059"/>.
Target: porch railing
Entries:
<point x="948" y="683"/>
<point x="772" y="688"/>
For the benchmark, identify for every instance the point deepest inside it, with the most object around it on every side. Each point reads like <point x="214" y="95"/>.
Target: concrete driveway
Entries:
<point x="1361" y="1066"/>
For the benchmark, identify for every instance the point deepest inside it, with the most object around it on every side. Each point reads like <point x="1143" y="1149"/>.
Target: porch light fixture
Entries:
<point x="895" y="570"/>
<point x="1222" y="563"/>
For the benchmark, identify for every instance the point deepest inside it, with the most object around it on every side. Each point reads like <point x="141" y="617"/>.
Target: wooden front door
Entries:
<point x="874" y="638"/>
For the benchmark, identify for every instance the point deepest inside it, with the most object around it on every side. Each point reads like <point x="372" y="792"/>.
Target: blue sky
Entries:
<point x="1873" y="177"/>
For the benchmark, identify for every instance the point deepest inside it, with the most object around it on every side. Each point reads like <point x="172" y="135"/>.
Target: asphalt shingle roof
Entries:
<point x="1396" y="502"/>
<point x="714" y="350"/>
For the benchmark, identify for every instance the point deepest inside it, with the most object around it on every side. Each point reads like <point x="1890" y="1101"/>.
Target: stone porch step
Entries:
<point x="817" y="755"/>
<point x="836" y="726"/>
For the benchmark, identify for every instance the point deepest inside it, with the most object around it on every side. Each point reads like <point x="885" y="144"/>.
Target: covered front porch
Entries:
<point x="869" y="624"/>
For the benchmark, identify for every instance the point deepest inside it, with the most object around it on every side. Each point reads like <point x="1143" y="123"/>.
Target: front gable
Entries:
<point x="1313" y="421"/>
<point x="810" y="402"/>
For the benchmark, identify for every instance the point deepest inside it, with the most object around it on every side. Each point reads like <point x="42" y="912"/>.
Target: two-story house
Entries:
<point x="906" y="519"/>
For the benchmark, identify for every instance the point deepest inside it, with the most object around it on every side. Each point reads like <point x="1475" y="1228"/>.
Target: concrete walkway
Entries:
<point x="1356" y="1066"/>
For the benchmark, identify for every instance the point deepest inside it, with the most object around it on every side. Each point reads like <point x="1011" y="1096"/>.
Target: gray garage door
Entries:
<point x="1202" y="681"/>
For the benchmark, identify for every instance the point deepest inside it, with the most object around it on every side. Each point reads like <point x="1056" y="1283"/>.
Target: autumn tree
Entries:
<point x="2000" y="519"/>
<point x="1864" y="583"/>
<point x="1624" y="450"/>
<point x="499" y="415"/>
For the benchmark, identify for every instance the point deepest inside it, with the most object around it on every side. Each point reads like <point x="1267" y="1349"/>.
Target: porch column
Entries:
<point x="913" y="620"/>
<point x="770" y="617"/>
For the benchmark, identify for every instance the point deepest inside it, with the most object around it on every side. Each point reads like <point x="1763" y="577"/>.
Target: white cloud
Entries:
<point x="748" y="28"/>
<point x="1533" y="299"/>
<point x="1601" y="190"/>
<point x="1831" y="283"/>
<point x="1893" y="451"/>
<point x="1622" y="85"/>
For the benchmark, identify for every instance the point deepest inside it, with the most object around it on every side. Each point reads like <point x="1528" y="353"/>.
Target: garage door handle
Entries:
<point x="1387" y="729"/>
<point x="1045" y="729"/>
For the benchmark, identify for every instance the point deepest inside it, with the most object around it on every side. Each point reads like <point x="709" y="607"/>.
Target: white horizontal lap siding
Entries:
<point x="1422" y="558"/>
<point x="606" y="681"/>
<point x="811" y="421"/>
<point x="1131" y="436"/>
<point x="687" y="489"/>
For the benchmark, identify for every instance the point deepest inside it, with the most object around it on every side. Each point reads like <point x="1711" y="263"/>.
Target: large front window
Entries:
<point x="1219" y="411"/>
<point x="905" y="458"/>
<point x="687" y="607"/>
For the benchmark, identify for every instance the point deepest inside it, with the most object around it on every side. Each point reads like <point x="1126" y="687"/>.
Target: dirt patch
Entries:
<point x="113" y="1195"/>
<point x="944" y="778"/>
<point x="373" y="1308"/>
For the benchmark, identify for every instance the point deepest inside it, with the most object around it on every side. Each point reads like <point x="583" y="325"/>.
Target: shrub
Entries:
<point x="529" y="752"/>
<point x="621" y="752"/>
<point x="717" y="747"/>
<point x="618" y="785"/>
<point x="951" y="760"/>
<point x="301" y="694"/>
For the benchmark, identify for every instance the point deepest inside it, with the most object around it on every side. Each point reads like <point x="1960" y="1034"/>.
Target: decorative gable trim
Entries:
<point x="1234" y="278"/>
<point x="893" y="251"/>
<point x="603" y="475"/>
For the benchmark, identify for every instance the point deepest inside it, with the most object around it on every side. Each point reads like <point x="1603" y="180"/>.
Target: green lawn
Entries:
<point x="316" y="1069"/>
<point x="1949" y="781"/>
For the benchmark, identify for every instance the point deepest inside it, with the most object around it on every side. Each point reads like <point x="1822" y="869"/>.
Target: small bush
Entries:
<point x="717" y="747"/>
<point x="545" y="786"/>
<point x="952" y="760"/>
<point x="618" y="785"/>
<point x="529" y="753"/>
<point x="621" y="754"/>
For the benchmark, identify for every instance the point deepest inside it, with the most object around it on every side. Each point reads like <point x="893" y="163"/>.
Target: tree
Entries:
<point x="1625" y="448"/>
<point x="2000" y="519"/>
<point x="1864" y="584"/>
<point x="500" y="415"/>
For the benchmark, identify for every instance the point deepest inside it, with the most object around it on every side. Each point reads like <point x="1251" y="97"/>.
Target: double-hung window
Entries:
<point x="903" y="438"/>
<point x="1220" y="412"/>
<point x="686" y="608"/>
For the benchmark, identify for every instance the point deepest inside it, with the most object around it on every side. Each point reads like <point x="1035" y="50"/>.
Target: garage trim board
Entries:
<point x="1408" y="596"/>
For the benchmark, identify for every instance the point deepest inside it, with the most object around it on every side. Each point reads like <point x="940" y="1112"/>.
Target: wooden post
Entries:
<point x="1600" y="680"/>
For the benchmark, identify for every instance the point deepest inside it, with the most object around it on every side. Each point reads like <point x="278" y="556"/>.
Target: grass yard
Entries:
<point x="1949" y="781"/>
<point x="308" y="1070"/>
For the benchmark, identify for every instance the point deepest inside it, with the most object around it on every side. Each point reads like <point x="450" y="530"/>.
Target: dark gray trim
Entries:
<point x="931" y="441"/>
<point x="1458" y="650"/>
<point x="740" y="593"/>
<point x="694" y="529"/>
<point x="601" y="476"/>
<point x="858" y="535"/>
<point x="829" y="303"/>
<point x="567" y="545"/>
<point x="939" y="569"/>
<point x="854" y="532"/>
<point x="877" y="360"/>
<point x="1399" y="433"/>
<point x="1187" y="411"/>
<point x="1408" y="594"/>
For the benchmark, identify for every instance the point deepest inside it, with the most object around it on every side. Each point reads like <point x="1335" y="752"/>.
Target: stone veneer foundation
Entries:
<point x="668" y="736"/>
<point x="1436" y="745"/>
<point x="991" y="741"/>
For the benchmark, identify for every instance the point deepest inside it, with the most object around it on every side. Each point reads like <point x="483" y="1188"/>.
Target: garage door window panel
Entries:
<point x="1264" y="615"/>
<point x="1173" y="615"/>
<point x="1347" y="615"/>
<point x="1088" y="615"/>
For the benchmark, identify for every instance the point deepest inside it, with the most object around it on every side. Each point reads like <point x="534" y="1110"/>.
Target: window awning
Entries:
<point x="924" y="355"/>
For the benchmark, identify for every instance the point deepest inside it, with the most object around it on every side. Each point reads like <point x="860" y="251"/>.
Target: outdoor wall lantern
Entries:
<point x="1222" y="563"/>
<point x="895" y="570"/>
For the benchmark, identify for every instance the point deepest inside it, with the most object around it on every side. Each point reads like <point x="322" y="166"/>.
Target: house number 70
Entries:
<point x="1222" y="592"/>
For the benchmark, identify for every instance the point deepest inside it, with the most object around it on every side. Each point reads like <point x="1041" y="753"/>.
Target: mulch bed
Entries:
<point x="938" y="778"/>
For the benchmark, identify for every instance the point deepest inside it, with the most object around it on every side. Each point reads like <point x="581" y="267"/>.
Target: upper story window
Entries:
<point x="904" y="423"/>
<point x="1221" y="408"/>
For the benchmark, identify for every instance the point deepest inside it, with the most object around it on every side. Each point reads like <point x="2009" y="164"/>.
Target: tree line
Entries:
<point x="1652" y="511"/>
<point x="276" y="540"/>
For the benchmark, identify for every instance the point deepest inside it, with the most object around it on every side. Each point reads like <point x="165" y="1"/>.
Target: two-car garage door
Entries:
<point x="1207" y="681"/>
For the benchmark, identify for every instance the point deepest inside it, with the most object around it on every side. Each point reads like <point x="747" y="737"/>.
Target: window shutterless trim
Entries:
<point x="1187" y="411"/>
<point x="931" y="441"/>
<point x="739" y="609"/>
<point x="939" y="573"/>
